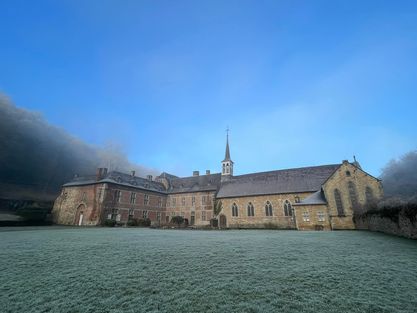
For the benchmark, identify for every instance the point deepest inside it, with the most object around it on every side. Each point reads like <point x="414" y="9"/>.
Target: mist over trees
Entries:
<point x="36" y="158"/>
<point x="399" y="178"/>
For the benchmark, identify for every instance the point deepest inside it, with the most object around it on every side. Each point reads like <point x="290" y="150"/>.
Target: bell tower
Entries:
<point x="227" y="163"/>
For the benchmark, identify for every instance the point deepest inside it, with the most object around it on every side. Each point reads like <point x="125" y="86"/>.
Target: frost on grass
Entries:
<point x="142" y="270"/>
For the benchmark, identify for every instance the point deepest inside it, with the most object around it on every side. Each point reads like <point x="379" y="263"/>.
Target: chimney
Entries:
<point x="133" y="173"/>
<point x="196" y="173"/>
<point x="149" y="177"/>
<point x="101" y="173"/>
<point x="207" y="172"/>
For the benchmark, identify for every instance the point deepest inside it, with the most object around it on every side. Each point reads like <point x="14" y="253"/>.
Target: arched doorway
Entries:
<point x="79" y="216"/>
<point x="222" y="221"/>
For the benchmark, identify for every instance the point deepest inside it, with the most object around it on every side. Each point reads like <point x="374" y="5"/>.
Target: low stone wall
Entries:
<point x="399" y="221"/>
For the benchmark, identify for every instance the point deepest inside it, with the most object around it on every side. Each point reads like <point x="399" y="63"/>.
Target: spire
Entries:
<point x="227" y="163"/>
<point x="227" y="154"/>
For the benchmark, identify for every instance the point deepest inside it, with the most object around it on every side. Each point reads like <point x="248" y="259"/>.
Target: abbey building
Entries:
<point x="308" y="198"/>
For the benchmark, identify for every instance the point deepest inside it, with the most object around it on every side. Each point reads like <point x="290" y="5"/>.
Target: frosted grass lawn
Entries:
<point x="143" y="270"/>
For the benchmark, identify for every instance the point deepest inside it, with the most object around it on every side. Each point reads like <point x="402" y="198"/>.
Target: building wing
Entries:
<point x="305" y="179"/>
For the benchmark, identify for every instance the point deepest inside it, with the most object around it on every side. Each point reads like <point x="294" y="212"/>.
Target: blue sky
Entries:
<point x="299" y="83"/>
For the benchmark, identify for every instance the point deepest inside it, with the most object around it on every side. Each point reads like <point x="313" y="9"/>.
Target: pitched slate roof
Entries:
<point x="305" y="179"/>
<point x="195" y="183"/>
<point x="315" y="198"/>
<point x="119" y="178"/>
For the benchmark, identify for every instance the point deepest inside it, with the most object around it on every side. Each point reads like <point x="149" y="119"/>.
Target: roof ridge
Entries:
<point x="287" y="169"/>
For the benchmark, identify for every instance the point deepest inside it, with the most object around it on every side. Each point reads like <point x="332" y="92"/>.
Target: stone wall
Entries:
<point x="74" y="200"/>
<point x="260" y="220"/>
<point x="339" y="180"/>
<point x="400" y="221"/>
<point x="98" y="202"/>
<point x="312" y="217"/>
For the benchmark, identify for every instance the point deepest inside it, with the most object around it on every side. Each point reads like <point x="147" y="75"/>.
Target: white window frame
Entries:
<point x="321" y="217"/>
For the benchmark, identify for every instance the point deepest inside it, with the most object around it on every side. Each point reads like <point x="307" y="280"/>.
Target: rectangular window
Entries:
<point x="203" y="215"/>
<point x="183" y="201"/>
<point x="133" y="198"/>
<point x="146" y="200"/>
<point x="84" y="197"/>
<point x="145" y="214"/>
<point x="174" y="202"/>
<point x="193" y="201"/>
<point x="321" y="217"/>
<point x="158" y="216"/>
<point x="159" y="202"/>
<point x="114" y="214"/>
<point x="168" y="202"/>
<point x="118" y="196"/>
<point x="306" y="217"/>
<point x="203" y="200"/>
<point x="130" y="213"/>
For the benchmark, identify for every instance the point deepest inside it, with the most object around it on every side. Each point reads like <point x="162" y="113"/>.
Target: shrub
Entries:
<point x="392" y="211"/>
<point x="140" y="222"/>
<point x="133" y="222"/>
<point x="146" y="222"/>
<point x="177" y="220"/>
<point x="109" y="223"/>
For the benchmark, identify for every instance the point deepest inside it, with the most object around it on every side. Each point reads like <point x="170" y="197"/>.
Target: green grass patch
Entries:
<point x="58" y="269"/>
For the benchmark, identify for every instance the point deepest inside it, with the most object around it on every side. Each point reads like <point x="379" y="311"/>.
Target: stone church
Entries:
<point x="307" y="198"/>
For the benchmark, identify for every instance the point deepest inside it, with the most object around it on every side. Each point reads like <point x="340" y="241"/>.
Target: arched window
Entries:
<point x="353" y="196"/>
<point x="251" y="209"/>
<point x="235" y="211"/>
<point x="224" y="168"/>
<point x="339" y="203"/>
<point x="369" y="195"/>
<point x="268" y="208"/>
<point x="287" y="208"/>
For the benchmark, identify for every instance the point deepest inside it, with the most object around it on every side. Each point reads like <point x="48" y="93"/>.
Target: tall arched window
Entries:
<point x="339" y="203"/>
<point x="224" y="168"/>
<point x="251" y="209"/>
<point x="287" y="208"/>
<point x="235" y="211"/>
<point x="268" y="208"/>
<point x="369" y="195"/>
<point x="353" y="195"/>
